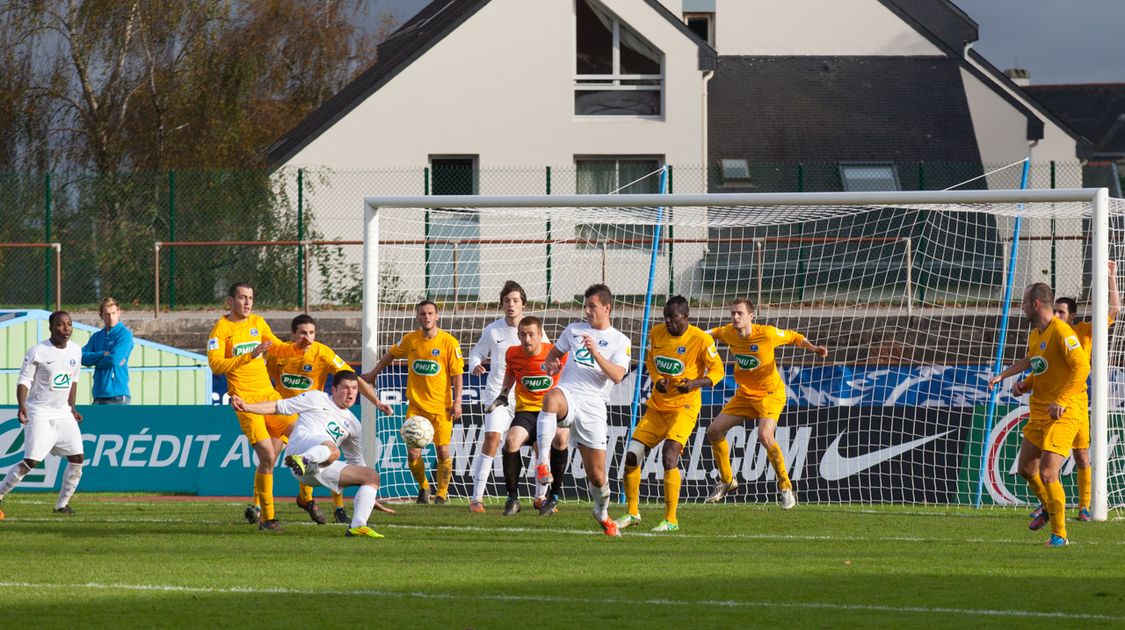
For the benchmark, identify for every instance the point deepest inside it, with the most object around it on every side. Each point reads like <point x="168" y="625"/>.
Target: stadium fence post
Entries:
<point x="548" y="240"/>
<point x="302" y="251"/>
<point x="639" y="379"/>
<point x="998" y="366"/>
<point x="46" y="239"/>
<point x="172" y="239"/>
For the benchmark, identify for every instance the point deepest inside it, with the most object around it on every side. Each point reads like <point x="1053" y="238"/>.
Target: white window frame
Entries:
<point x="710" y="17"/>
<point x="588" y="82"/>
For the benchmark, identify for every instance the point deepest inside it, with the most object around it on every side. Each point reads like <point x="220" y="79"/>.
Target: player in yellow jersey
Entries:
<point x="234" y="347"/>
<point x="1066" y="309"/>
<point x="760" y="396"/>
<point x="1059" y="367"/>
<point x="309" y="371"/>
<point x="681" y="359"/>
<point x="434" y="363"/>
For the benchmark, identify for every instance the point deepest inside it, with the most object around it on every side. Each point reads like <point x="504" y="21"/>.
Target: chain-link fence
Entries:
<point x="108" y="224"/>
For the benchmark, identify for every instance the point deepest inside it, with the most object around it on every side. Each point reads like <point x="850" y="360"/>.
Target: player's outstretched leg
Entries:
<point x="363" y="504"/>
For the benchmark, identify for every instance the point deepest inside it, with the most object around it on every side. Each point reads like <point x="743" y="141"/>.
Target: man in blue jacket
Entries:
<point x="108" y="352"/>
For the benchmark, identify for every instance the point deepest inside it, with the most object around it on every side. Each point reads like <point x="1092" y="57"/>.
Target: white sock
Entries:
<point x="545" y="428"/>
<point x="15" y="475"/>
<point x="317" y="454"/>
<point x="540" y="490"/>
<point x="363" y="504"/>
<point x="601" y="500"/>
<point x="70" y="480"/>
<point x="482" y="468"/>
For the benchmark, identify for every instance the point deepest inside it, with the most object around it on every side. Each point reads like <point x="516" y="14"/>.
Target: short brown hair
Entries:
<point x="742" y="300"/>
<point x="1041" y="291"/>
<point x="510" y="286"/>
<point x="605" y="296"/>
<point x="531" y="320"/>
<point x="106" y="303"/>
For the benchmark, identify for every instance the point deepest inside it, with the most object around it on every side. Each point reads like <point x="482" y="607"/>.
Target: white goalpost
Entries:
<point x="905" y="288"/>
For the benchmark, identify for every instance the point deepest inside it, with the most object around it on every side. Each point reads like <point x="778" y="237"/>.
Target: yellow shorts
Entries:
<point x="1082" y="436"/>
<point x="657" y="425"/>
<point x="443" y="424"/>
<point x="745" y="406"/>
<point x="1056" y="437"/>
<point x="257" y="428"/>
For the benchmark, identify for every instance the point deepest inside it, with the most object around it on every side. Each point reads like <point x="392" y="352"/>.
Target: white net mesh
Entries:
<point x="907" y="298"/>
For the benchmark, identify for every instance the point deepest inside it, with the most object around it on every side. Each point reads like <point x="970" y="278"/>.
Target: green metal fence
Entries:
<point x="107" y="224"/>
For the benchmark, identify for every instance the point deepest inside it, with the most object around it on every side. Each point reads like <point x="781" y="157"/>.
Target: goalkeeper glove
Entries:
<point x="501" y="401"/>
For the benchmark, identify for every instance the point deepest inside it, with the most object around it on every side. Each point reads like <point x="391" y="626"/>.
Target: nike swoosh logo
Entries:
<point x="835" y="466"/>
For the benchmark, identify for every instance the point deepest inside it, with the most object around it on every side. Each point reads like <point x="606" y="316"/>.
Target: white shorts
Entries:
<point x="586" y="416"/>
<point x="53" y="432"/>
<point x="499" y="419"/>
<point x="325" y="477"/>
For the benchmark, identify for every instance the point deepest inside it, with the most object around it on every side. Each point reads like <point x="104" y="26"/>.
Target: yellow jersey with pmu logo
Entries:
<point x="690" y="356"/>
<point x="431" y="363"/>
<point x="228" y="352"/>
<point x="296" y="375"/>
<point x="1059" y="366"/>
<point x="755" y="369"/>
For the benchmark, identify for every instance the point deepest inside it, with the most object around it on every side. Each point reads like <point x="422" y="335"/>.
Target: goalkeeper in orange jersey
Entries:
<point x="309" y="371"/>
<point x="1059" y="367"/>
<point x="236" y="343"/>
<point x="681" y="359"/>
<point x="760" y="396"/>
<point x="434" y="363"/>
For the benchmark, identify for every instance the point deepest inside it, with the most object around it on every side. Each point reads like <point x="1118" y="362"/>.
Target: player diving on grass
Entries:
<point x="325" y="429"/>
<point x="760" y="397"/>
<point x="236" y="343"/>
<point x="309" y="371"/>
<point x="434" y="363"/>
<point x="524" y="369"/>
<point x="681" y="359"/>
<point x="598" y="360"/>
<point x="46" y="389"/>
<point x="495" y="341"/>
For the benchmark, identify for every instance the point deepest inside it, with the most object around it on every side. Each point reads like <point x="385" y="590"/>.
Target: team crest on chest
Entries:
<point x="253" y="332"/>
<point x="435" y="352"/>
<point x="681" y="350"/>
<point x="1042" y="345"/>
<point x="307" y="367"/>
<point x="753" y="347"/>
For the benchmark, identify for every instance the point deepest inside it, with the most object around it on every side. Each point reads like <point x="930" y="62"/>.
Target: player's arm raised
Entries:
<point x="616" y="373"/>
<point x="821" y="351"/>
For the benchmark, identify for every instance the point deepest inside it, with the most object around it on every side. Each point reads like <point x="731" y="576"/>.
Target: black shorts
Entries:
<point x="527" y="420"/>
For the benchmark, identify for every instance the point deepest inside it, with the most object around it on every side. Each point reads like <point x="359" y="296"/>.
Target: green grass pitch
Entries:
<point x="134" y="561"/>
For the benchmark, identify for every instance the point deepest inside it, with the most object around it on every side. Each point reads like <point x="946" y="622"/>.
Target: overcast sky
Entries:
<point x="1059" y="41"/>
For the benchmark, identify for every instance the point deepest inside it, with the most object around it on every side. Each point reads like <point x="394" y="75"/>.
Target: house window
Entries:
<point x="629" y="176"/>
<point x="453" y="272"/>
<point x="617" y="72"/>
<point x="735" y="171"/>
<point x="702" y="24"/>
<point x="869" y="177"/>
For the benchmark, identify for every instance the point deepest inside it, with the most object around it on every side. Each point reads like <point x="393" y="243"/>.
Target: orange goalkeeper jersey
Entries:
<point x="532" y="382"/>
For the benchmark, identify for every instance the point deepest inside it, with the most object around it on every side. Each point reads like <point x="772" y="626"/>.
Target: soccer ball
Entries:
<point x="417" y="432"/>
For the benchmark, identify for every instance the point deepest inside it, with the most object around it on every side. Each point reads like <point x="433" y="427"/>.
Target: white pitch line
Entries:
<point x="554" y="599"/>
<point x="579" y="532"/>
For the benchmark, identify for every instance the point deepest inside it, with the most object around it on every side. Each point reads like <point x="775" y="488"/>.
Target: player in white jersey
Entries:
<point x="599" y="359"/>
<point x="325" y="429"/>
<point x="492" y="346"/>
<point x="46" y="390"/>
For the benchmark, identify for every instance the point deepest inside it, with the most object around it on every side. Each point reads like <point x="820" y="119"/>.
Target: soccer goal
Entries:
<point x="916" y="294"/>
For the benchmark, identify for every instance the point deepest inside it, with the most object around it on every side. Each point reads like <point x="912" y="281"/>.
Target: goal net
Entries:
<point x="907" y="290"/>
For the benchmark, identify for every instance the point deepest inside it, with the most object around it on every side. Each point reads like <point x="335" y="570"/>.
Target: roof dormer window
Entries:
<point x="617" y="72"/>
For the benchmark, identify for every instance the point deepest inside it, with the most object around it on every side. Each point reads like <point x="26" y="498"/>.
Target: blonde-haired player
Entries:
<point x="309" y="371"/>
<point x="1058" y="404"/>
<point x="434" y="362"/>
<point x="681" y="360"/>
<point x="236" y="343"/>
<point x="760" y="396"/>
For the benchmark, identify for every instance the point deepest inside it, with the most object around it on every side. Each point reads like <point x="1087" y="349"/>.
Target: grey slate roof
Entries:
<point x="1097" y="111"/>
<point x="821" y="109"/>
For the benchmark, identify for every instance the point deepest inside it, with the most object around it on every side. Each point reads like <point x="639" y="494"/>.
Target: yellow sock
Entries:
<point x="263" y="491"/>
<point x="633" y="490"/>
<point x="671" y="494"/>
<point x="337" y="500"/>
<point x="445" y="473"/>
<point x="418" y="471"/>
<point x="1036" y="485"/>
<point x="777" y="460"/>
<point x="1084" y="479"/>
<point x="304" y="494"/>
<point x="1056" y="507"/>
<point x="255" y="493"/>
<point x="721" y="452"/>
